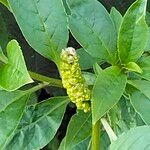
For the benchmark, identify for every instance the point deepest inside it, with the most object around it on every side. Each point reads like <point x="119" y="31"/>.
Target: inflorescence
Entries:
<point x="73" y="81"/>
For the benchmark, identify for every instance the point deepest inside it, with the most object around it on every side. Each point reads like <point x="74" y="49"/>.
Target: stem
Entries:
<point x="36" y="88"/>
<point x="51" y="81"/>
<point x="110" y="132"/>
<point x="96" y="136"/>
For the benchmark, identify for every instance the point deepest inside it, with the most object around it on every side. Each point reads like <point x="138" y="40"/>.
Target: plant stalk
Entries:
<point x="41" y="78"/>
<point x="37" y="87"/>
<point x="96" y="136"/>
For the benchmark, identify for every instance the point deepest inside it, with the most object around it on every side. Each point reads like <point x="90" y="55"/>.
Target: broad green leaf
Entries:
<point x="108" y="89"/>
<point x="43" y="23"/>
<point x="133" y="33"/>
<point x="79" y="129"/>
<point x="124" y="117"/>
<point x="14" y="74"/>
<point x="3" y="58"/>
<point x="97" y="69"/>
<point x="5" y="2"/>
<point x="86" y="61"/>
<point x="141" y="103"/>
<point x="89" y="78"/>
<point x="39" y="124"/>
<point x="135" y="139"/>
<point x="116" y="18"/>
<point x="144" y="63"/>
<point x="147" y="48"/>
<point x="84" y="145"/>
<point x="8" y="97"/>
<point x="132" y="66"/>
<point x="12" y="105"/>
<point x="92" y="27"/>
<point x="66" y="7"/>
<point x="141" y="85"/>
<point x="147" y="18"/>
<point x="140" y="99"/>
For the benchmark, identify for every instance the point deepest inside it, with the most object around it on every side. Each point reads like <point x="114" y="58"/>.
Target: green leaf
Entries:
<point x="78" y="130"/>
<point x="5" y="2"/>
<point x="8" y="97"/>
<point x="124" y="117"/>
<point x="141" y="104"/>
<point x="39" y="124"/>
<point x="116" y="18"/>
<point x="86" y="61"/>
<point x="3" y="58"/>
<point x="144" y="64"/>
<point x="148" y="41"/>
<point x="147" y="18"/>
<point x="141" y="85"/>
<point x="84" y="145"/>
<point x="14" y="74"/>
<point x="140" y="99"/>
<point x="44" y="25"/>
<point x="66" y="7"/>
<point x="92" y="27"/>
<point x="12" y="105"/>
<point x="133" y="33"/>
<point x="89" y="78"/>
<point x="97" y="69"/>
<point x="134" y="139"/>
<point x="107" y="91"/>
<point x="132" y="66"/>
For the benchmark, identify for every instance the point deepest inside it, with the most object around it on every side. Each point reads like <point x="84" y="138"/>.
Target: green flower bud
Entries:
<point x="73" y="81"/>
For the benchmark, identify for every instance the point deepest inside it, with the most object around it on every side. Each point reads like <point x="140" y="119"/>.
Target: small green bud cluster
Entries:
<point x="73" y="81"/>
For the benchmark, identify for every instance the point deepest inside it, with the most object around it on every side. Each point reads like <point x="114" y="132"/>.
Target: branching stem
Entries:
<point x="41" y="78"/>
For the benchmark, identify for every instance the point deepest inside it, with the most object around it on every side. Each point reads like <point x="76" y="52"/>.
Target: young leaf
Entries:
<point x="141" y="103"/>
<point x="133" y="33"/>
<point x="116" y="18"/>
<point x="11" y="110"/>
<point x="44" y="26"/>
<point x="91" y="25"/>
<point x="78" y="130"/>
<point x="108" y="89"/>
<point x="39" y="124"/>
<point x="135" y="139"/>
<point x="14" y="74"/>
<point x="132" y="66"/>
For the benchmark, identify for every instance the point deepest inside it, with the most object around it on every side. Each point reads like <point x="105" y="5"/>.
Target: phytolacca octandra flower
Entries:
<point x="73" y="81"/>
